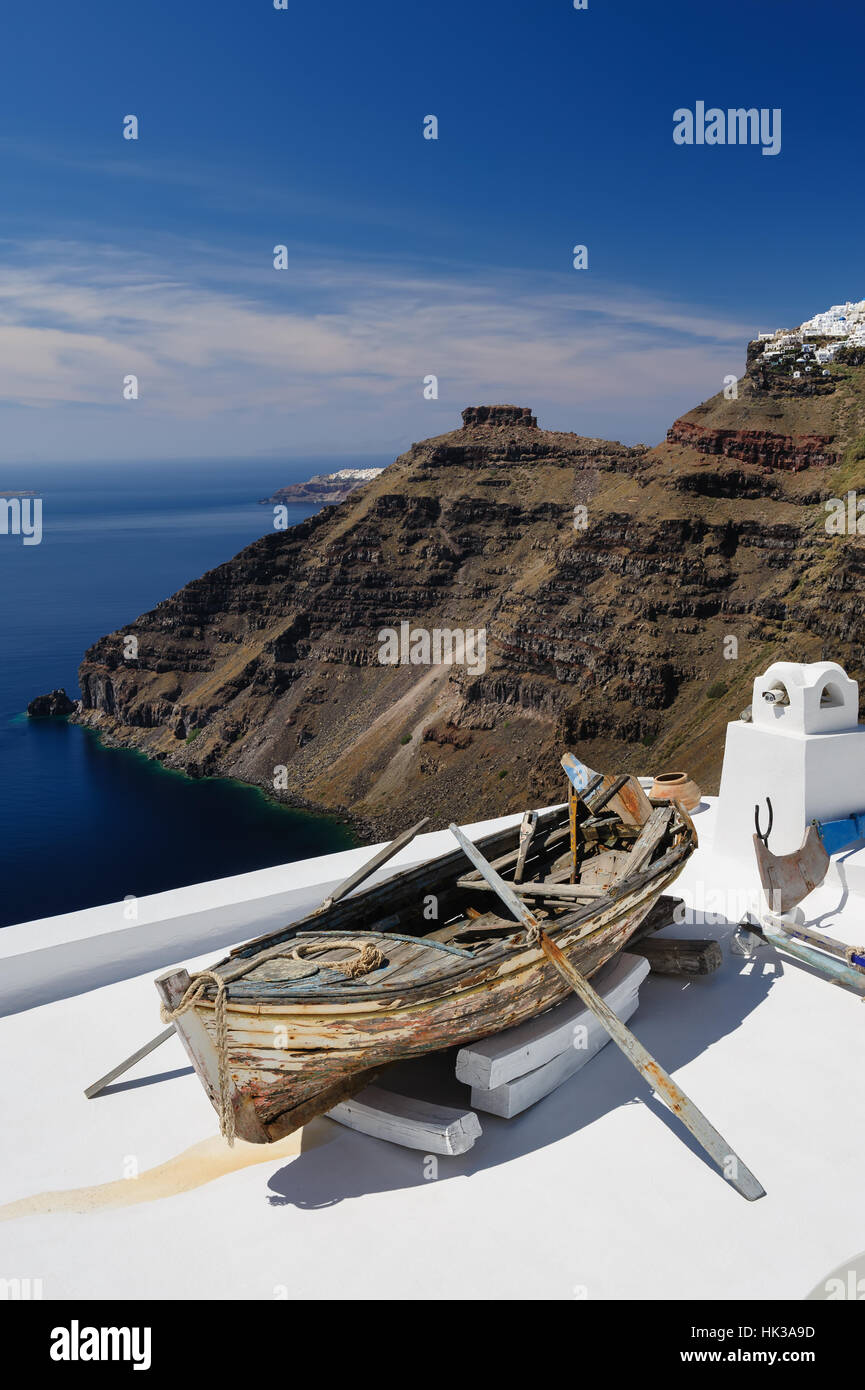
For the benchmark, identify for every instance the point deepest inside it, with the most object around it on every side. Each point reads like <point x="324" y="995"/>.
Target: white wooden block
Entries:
<point x="517" y="1095"/>
<point x="415" y="1124"/>
<point x="496" y="1060"/>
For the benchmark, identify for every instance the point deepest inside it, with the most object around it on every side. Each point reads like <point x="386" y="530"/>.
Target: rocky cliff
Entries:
<point x="627" y="597"/>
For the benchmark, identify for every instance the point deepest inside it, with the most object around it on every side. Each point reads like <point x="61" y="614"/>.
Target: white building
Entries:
<point x="837" y="321"/>
<point x="843" y="322"/>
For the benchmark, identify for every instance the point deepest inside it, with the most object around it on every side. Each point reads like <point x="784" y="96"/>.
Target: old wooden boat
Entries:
<point x="292" y="1022"/>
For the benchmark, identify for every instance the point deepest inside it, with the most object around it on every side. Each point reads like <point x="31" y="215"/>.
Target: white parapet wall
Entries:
<point x="56" y="957"/>
<point x="804" y="750"/>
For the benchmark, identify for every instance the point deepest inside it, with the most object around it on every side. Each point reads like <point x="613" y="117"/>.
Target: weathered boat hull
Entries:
<point x="289" y="1059"/>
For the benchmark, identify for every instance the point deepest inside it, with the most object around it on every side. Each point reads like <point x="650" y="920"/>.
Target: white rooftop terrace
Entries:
<point x="595" y="1192"/>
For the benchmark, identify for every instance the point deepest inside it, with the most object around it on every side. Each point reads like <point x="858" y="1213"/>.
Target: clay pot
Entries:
<point x="676" y="786"/>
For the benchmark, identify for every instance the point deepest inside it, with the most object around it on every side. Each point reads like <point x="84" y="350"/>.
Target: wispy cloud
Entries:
<point x="338" y="351"/>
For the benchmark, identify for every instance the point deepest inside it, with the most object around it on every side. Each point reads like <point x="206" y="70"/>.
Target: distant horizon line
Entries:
<point x="303" y="454"/>
<point x="205" y="460"/>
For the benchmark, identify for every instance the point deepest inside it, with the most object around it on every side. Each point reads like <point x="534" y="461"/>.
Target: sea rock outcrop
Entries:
<point x="57" y="702"/>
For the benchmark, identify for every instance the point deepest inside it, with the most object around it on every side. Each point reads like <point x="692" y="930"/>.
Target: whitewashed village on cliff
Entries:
<point x="818" y="340"/>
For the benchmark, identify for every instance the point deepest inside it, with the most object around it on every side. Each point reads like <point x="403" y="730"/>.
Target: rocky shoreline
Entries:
<point x="364" y="832"/>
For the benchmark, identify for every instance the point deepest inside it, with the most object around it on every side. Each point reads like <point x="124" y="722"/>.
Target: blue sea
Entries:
<point x="81" y="824"/>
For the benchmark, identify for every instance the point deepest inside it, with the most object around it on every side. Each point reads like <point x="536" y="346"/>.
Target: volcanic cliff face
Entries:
<point x="628" y="597"/>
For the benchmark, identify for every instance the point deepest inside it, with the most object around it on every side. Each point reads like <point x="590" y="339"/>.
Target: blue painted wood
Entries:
<point x="576" y="772"/>
<point x="840" y="834"/>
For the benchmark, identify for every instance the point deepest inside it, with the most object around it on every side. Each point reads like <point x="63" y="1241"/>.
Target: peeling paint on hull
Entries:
<point x="292" y="1056"/>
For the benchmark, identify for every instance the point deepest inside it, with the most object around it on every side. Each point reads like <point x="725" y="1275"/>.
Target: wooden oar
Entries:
<point x="853" y="955"/>
<point x="731" y="1166"/>
<point x="380" y="857"/>
<point x="830" y="958"/>
<point x="112" y="1075"/>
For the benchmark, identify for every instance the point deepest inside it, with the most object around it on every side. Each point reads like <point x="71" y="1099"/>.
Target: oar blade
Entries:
<point x="731" y="1166"/>
<point x="577" y="773"/>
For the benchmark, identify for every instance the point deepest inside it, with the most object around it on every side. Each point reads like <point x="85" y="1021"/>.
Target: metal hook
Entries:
<point x="764" y="835"/>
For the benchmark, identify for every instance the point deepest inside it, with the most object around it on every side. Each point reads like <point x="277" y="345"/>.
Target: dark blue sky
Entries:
<point x="407" y="257"/>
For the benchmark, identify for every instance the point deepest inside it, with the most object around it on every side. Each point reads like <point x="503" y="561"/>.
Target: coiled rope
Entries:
<point x="369" y="958"/>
